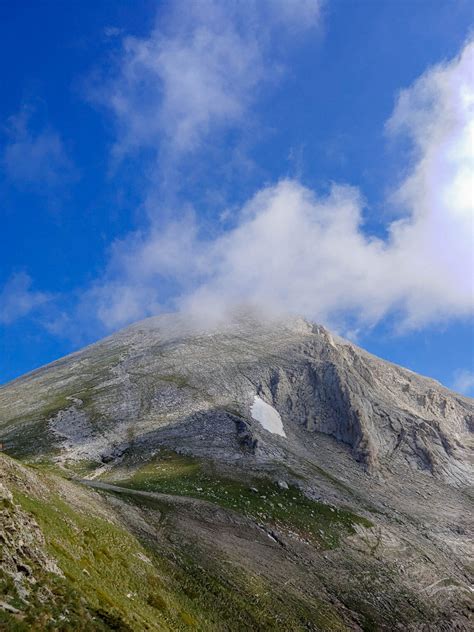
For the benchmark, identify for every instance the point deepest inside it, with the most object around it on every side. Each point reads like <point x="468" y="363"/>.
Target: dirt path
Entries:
<point x="188" y="501"/>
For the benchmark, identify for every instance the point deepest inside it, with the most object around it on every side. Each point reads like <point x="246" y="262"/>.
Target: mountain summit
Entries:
<point x="165" y="382"/>
<point x="354" y="471"/>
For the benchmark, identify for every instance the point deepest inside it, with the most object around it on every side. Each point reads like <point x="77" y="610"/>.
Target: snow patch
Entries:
<point x="267" y="416"/>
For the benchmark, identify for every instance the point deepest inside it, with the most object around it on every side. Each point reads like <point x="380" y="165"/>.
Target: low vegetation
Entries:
<point x="116" y="579"/>
<point x="260" y="499"/>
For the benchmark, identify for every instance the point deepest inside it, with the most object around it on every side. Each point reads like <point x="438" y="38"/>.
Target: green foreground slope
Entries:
<point x="178" y="543"/>
<point x="85" y="570"/>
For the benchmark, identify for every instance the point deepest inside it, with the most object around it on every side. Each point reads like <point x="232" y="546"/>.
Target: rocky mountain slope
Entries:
<point x="273" y="475"/>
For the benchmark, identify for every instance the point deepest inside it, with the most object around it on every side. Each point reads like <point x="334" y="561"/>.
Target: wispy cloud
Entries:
<point x="294" y="250"/>
<point x="198" y="71"/>
<point x="18" y="299"/>
<point x="433" y="243"/>
<point x="464" y="382"/>
<point x="36" y="159"/>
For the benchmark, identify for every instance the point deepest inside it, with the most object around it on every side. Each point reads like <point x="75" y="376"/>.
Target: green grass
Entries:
<point x="38" y="614"/>
<point x="180" y="381"/>
<point x="216" y="596"/>
<point x="33" y="427"/>
<point x="80" y="468"/>
<point x="102" y="564"/>
<point x="260" y="499"/>
<point x="115" y="580"/>
<point x="242" y="601"/>
<point x="27" y="434"/>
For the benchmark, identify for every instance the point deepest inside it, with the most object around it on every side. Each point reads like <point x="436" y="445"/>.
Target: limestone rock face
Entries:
<point x="165" y="380"/>
<point x="338" y="434"/>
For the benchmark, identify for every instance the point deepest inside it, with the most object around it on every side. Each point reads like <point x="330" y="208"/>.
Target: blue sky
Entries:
<point x="301" y="155"/>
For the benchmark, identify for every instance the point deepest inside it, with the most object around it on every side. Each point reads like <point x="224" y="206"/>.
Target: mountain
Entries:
<point x="267" y="475"/>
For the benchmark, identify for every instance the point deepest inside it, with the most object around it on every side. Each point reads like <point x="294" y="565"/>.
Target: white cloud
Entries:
<point x="37" y="160"/>
<point x="17" y="299"/>
<point x="198" y="71"/>
<point x="464" y="382"/>
<point x="434" y="243"/>
<point x="292" y="250"/>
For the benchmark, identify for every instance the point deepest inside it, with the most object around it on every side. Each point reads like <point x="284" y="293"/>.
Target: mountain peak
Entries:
<point x="169" y="379"/>
<point x="271" y="435"/>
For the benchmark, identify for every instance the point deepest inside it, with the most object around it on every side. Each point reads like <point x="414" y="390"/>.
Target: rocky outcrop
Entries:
<point x="23" y="556"/>
<point x="163" y="378"/>
<point x="358" y="433"/>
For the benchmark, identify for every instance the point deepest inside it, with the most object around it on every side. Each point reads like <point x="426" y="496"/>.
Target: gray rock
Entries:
<point x="361" y="433"/>
<point x="163" y="381"/>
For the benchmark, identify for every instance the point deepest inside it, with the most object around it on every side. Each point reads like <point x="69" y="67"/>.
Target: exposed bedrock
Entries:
<point x="164" y="378"/>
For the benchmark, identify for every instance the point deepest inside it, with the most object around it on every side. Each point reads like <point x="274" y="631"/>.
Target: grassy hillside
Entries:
<point x="258" y="498"/>
<point x="104" y="576"/>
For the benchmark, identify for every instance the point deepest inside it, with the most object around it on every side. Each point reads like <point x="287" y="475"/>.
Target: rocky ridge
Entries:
<point x="150" y="377"/>
<point x="165" y="408"/>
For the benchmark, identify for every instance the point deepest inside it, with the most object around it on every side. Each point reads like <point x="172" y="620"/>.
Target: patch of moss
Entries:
<point x="260" y="499"/>
<point x="174" y="378"/>
<point x="51" y="605"/>
<point x="81" y="467"/>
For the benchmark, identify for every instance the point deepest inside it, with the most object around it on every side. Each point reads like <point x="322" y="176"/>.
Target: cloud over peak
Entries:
<point x="292" y="249"/>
